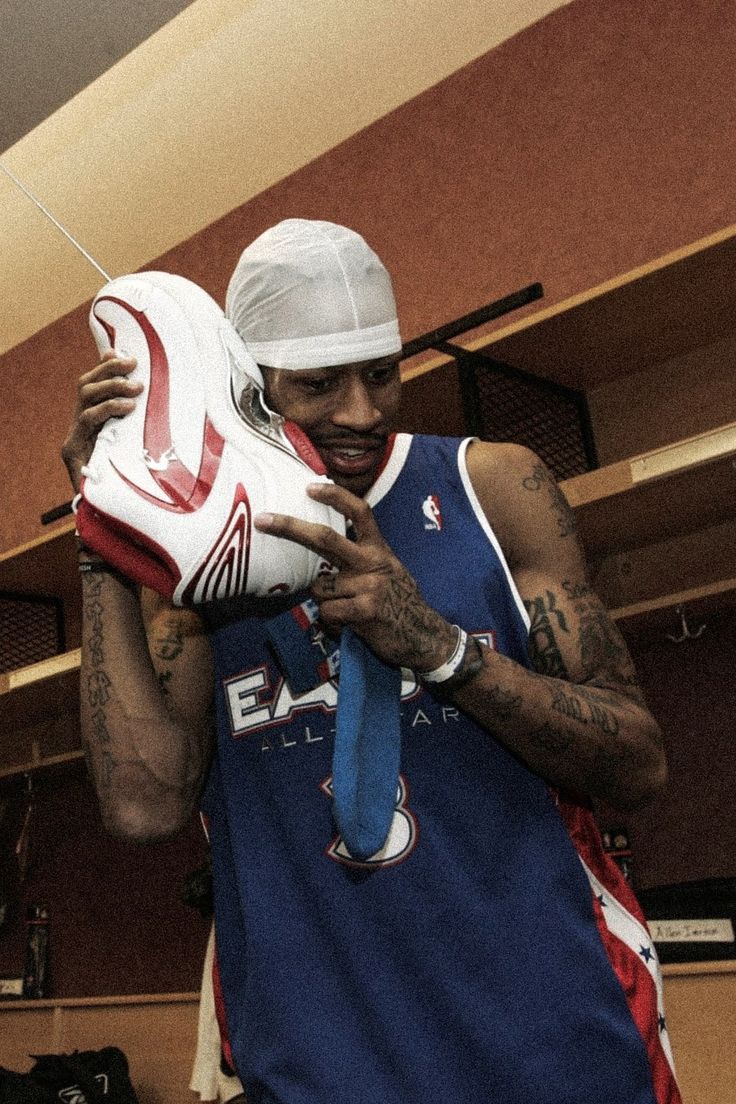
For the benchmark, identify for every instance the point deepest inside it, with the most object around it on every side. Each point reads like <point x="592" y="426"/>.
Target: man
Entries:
<point x="488" y="951"/>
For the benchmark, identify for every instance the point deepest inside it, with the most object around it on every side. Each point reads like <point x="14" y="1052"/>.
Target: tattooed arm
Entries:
<point x="146" y="678"/>
<point x="146" y="684"/>
<point x="580" y="719"/>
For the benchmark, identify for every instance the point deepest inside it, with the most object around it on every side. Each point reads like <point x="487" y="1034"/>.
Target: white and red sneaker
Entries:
<point x="170" y="490"/>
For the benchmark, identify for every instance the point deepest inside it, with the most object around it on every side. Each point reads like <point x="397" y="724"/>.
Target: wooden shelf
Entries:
<point x="656" y="503"/>
<point x="700" y="599"/>
<point x="42" y="763"/>
<point x="36" y="674"/>
<point x="36" y="703"/>
<point x="47" y="567"/>
<point x="39" y="704"/>
<point x="643" y="317"/>
<point x="688" y="485"/>
<point x="156" y="1032"/>
<point x="663" y="617"/>
<point x="30" y="694"/>
<point x="12" y="1004"/>
<point x="698" y="969"/>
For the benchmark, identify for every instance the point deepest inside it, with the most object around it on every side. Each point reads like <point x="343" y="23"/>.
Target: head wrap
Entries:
<point x="308" y="294"/>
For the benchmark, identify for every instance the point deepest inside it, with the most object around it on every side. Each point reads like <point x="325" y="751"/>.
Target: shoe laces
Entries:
<point x="106" y="438"/>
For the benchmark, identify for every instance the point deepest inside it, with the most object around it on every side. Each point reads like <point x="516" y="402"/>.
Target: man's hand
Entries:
<point x="105" y="392"/>
<point x="372" y="592"/>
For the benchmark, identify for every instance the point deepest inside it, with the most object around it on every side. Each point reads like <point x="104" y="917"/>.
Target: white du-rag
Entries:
<point x="311" y="294"/>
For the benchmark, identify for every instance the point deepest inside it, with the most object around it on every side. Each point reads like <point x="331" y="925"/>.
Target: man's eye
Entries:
<point x="316" y="386"/>
<point x="380" y="376"/>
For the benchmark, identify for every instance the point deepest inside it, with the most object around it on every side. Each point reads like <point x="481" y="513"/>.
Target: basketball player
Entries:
<point x="489" y="952"/>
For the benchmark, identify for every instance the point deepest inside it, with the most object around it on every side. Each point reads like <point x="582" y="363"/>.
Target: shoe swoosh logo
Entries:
<point x="186" y="491"/>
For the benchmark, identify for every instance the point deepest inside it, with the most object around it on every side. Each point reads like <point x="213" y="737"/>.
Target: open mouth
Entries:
<point x="355" y="458"/>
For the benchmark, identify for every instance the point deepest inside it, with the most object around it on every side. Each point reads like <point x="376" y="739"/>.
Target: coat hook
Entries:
<point x="686" y="633"/>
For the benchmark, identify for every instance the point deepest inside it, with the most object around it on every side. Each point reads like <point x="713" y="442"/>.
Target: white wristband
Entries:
<point x="451" y="666"/>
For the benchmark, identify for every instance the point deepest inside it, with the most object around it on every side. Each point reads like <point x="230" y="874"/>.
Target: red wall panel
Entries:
<point x="596" y="140"/>
<point x="599" y="138"/>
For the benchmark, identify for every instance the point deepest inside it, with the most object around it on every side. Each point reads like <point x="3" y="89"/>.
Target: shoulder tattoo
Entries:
<point x="540" y="481"/>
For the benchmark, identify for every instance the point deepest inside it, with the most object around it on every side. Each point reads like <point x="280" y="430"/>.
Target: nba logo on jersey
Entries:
<point x="432" y="512"/>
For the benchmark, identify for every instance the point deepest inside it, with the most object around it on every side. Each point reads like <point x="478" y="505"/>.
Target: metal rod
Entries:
<point x="56" y="512"/>
<point x="471" y="321"/>
<point x="34" y="199"/>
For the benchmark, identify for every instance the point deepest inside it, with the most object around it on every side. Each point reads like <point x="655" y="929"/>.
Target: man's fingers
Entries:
<point x="107" y="397"/>
<point x="339" y="612"/>
<point x="111" y="366"/>
<point x="355" y="509"/>
<point x="110" y="387"/>
<point x="116" y="361"/>
<point x="319" y="538"/>
<point x="95" y="415"/>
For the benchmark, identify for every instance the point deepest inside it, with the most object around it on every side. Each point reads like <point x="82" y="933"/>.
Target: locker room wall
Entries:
<point x="594" y="141"/>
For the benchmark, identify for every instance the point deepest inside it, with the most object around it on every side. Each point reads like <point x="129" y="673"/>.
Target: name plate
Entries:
<point x="11" y="987"/>
<point x="691" y="931"/>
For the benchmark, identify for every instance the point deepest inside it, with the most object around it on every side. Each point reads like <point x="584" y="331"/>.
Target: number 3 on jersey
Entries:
<point x="402" y="836"/>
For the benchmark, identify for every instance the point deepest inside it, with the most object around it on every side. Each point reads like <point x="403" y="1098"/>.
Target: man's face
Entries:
<point x="347" y="412"/>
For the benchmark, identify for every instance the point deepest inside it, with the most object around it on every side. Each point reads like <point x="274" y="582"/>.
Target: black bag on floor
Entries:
<point x="84" y="1077"/>
<point x="17" y="1088"/>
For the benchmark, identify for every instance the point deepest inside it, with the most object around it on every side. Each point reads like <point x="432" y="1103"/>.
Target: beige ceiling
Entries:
<point x="216" y="105"/>
<point x="51" y="49"/>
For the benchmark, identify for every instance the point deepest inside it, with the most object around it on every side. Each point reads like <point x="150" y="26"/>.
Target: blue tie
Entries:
<point x="367" y="752"/>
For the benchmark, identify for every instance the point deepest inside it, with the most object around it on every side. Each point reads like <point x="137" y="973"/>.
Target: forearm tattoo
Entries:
<point x="98" y="688"/>
<point x="414" y="624"/>
<point x="574" y="714"/>
<point x="594" y="706"/>
<point x="604" y="657"/>
<point x="543" y="648"/>
<point x="170" y="644"/>
<point x="505" y="704"/>
<point x="603" y="650"/>
<point x="540" y="481"/>
<point x="578" y="705"/>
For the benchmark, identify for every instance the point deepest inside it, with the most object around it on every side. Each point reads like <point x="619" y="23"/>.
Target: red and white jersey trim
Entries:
<point x="392" y="468"/>
<point x="635" y="955"/>
<point x="628" y="945"/>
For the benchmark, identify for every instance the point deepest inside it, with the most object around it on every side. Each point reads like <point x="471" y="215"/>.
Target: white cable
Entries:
<point x="26" y="191"/>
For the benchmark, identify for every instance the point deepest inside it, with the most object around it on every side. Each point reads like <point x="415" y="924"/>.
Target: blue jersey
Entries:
<point x="488" y="952"/>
